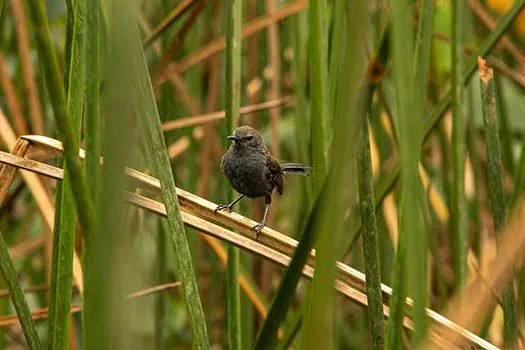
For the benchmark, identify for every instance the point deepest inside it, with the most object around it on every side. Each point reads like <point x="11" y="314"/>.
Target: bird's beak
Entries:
<point x="232" y="137"/>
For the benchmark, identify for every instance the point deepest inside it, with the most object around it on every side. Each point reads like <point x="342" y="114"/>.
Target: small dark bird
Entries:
<point x="252" y="171"/>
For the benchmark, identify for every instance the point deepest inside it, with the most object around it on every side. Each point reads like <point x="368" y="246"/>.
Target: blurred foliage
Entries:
<point x="187" y="70"/>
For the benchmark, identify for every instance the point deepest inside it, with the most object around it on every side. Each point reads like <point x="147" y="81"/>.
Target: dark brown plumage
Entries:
<point x="252" y="171"/>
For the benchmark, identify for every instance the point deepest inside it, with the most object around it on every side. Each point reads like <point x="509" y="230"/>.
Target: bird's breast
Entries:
<point x="247" y="173"/>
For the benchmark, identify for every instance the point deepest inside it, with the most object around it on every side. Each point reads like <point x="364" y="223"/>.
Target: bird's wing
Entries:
<point x="275" y="173"/>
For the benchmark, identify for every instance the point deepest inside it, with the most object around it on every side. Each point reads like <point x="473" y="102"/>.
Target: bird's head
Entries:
<point x="247" y="137"/>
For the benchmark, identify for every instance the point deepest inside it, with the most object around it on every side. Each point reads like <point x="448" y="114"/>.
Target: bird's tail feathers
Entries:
<point x="296" y="168"/>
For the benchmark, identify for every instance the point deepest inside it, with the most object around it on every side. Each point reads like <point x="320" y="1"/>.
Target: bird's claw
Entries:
<point x="222" y="207"/>
<point x="257" y="228"/>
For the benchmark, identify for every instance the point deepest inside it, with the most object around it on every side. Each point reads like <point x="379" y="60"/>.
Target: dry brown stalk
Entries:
<point x="41" y="196"/>
<point x="214" y="116"/>
<point x="169" y="19"/>
<point x="469" y="307"/>
<point x="198" y="214"/>
<point x="21" y="26"/>
<point x="219" y="44"/>
<point x="12" y="99"/>
<point x="42" y="313"/>
<point x="178" y="40"/>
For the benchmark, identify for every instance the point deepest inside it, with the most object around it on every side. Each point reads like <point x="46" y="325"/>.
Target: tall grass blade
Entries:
<point x="233" y="100"/>
<point x="410" y="259"/>
<point x="65" y="215"/>
<point x="340" y="190"/>
<point x="109" y="259"/>
<point x="458" y="200"/>
<point x="267" y="336"/>
<point x="282" y="301"/>
<point x="423" y="47"/>
<point x="17" y="296"/>
<point x="301" y="120"/>
<point x="318" y="84"/>
<point x="57" y="98"/>
<point x="92" y="124"/>
<point x="146" y="111"/>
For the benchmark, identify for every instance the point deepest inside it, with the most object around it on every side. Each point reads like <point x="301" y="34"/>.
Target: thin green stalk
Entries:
<point x="17" y="296"/>
<point x="65" y="126"/>
<point x="291" y="332"/>
<point x="348" y="116"/>
<point x="423" y="47"/>
<point x="267" y="336"/>
<point x="109" y="257"/>
<point x="519" y="177"/>
<point x="301" y="117"/>
<point x="375" y="75"/>
<point x="471" y="138"/>
<point x="160" y="309"/>
<point x="318" y="85"/>
<point x="394" y="331"/>
<point x="2" y="16"/>
<point x="4" y="308"/>
<point x="505" y="129"/>
<point x="233" y="15"/>
<point x="92" y="125"/>
<point x="70" y="27"/>
<point x="370" y="246"/>
<point x="145" y="109"/>
<point x="65" y="216"/>
<point x="317" y="46"/>
<point x="458" y="201"/>
<point x="412" y="229"/>
<point x="336" y="52"/>
<point x="283" y="299"/>
<point x="497" y="199"/>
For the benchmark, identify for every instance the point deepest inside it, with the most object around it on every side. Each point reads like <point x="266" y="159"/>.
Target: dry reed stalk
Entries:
<point x="41" y="196"/>
<point x="272" y="245"/>
<point x="42" y="313"/>
<point x="21" y="26"/>
<point x="220" y="43"/>
<point x="12" y="99"/>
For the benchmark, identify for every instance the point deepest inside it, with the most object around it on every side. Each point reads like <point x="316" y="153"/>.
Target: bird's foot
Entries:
<point x="222" y="207"/>
<point x="257" y="228"/>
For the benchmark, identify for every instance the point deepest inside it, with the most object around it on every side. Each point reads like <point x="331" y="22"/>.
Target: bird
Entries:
<point x="253" y="172"/>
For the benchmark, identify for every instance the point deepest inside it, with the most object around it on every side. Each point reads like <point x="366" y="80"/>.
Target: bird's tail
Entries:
<point x="296" y="168"/>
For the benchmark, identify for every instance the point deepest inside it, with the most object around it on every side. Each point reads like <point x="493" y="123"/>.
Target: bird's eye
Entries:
<point x="248" y="137"/>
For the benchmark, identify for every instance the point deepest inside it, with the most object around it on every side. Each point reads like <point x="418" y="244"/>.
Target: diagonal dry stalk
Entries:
<point x="183" y="122"/>
<point x="44" y="203"/>
<point x="178" y="11"/>
<point x="199" y="214"/>
<point x="42" y="313"/>
<point x="182" y="144"/>
<point x="178" y="39"/>
<point x="8" y="173"/>
<point x="471" y="304"/>
<point x="219" y="44"/>
<point x="54" y="148"/>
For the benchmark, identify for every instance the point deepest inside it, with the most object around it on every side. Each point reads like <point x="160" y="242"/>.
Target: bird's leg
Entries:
<point x="229" y="206"/>
<point x="260" y="225"/>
